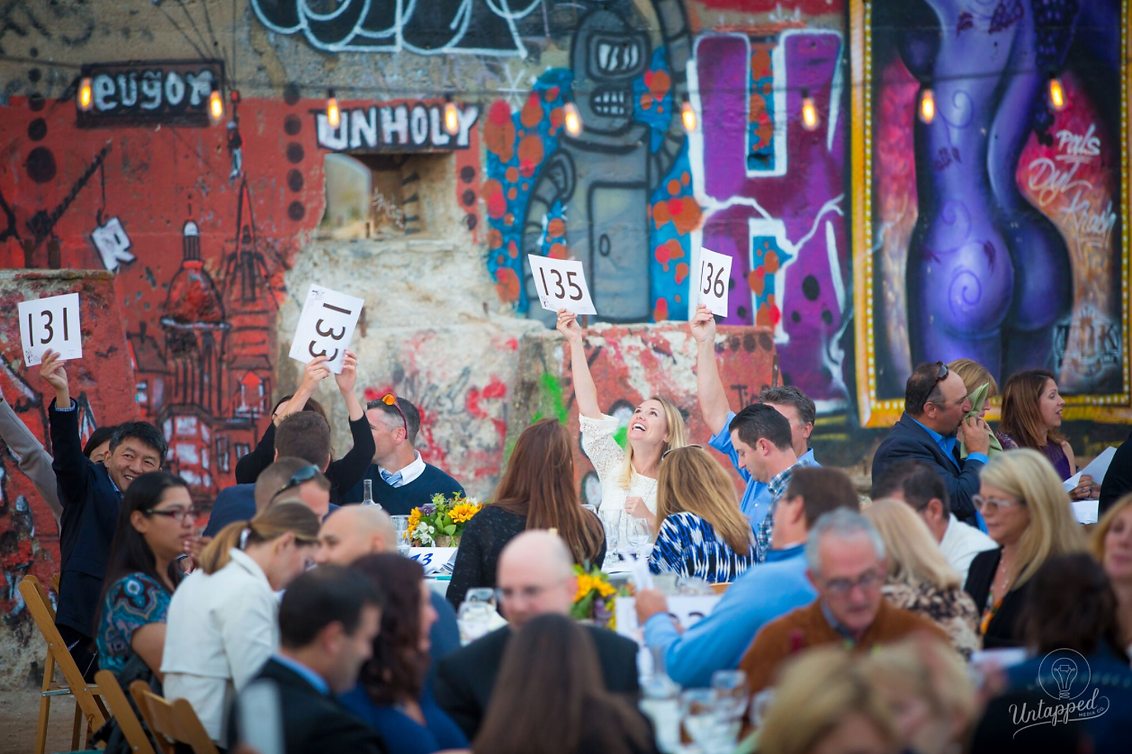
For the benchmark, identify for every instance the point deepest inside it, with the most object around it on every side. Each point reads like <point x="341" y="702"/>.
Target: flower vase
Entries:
<point x="443" y="541"/>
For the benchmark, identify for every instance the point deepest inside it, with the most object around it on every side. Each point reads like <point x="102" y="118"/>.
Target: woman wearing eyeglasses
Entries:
<point x="1027" y="513"/>
<point x="223" y="620"/>
<point x="391" y="696"/>
<point x="154" y="522"/>
<point x="702" y="533"/>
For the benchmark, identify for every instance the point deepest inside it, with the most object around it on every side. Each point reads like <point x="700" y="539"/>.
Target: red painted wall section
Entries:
<point x="101" y="384"/>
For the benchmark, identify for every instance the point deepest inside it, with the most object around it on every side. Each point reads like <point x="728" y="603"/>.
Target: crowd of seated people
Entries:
<point x="903" y="623"/>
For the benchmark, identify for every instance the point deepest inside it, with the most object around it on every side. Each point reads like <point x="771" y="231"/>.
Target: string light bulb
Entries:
<point x="809" y="112"/>
<point x="85" y="96"/>
<point x="688" y="115"/>
<point x="215" y="104"/>
<point x="451" y="116"/>
<point x="927" y="105"/>
<point x="573" y="119"/>
<point x="333" y="114"/>
<point x="1056" y="94"/>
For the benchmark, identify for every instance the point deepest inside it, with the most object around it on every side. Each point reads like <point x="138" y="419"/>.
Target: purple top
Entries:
<point x="1053" y="451"/>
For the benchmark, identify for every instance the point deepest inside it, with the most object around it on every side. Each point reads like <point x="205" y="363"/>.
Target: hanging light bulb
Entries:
<point x="85" y="96"/>
<point x="451" y="116"/>
<point x="215" y="104"/>
<point x="688" y="115"/>
<point x="1056" y="94"/>
<point x="333" y="114"/>
<point x="809" y="112"/>
<point x="927" y="105"/>
<point x="573" y="119"/>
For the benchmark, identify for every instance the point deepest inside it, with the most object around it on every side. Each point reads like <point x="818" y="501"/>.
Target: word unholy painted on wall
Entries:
<point x="161" y="92"/>
<point x="396" y="127"/>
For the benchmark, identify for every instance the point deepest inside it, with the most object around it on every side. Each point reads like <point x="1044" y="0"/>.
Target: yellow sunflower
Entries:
<point x="414" y="519"/>
<point x="462" y="513"/>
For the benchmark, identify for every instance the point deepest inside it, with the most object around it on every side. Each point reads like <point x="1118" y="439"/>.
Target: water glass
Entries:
<point x="401" y="534"/>
<point x="481" y="594"/>
<point x="612" y="538"/>
<point x="730" y="688"/>
<point x="709" y="726"/>
<point x="474" y="619"/>
<point x="638" y="535"/>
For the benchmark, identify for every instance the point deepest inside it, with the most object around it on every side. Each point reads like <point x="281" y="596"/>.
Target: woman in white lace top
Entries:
<point x="628" y="476"/>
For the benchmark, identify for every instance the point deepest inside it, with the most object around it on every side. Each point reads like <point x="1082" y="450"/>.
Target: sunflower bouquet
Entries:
<point x="441" y="522"/>
<point x="594" y="598"/>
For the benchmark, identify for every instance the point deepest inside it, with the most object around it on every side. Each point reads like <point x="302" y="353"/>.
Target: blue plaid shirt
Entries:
<point x="776" y="487"/>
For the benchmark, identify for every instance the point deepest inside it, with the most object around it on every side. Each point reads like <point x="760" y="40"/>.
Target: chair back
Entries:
<point x="35" y="597"/>
<point x="123" y="713"/>
<point x="171" y="722"/>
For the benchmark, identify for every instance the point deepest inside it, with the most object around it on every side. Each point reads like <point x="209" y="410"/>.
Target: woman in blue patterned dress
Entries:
<point x="155" y="521"/>
<point x="702" y="532"/>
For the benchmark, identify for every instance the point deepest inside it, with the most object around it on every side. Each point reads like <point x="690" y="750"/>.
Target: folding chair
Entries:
<point x="121" y="711"/>
<point x="171" y="723"/>
<point x="55" y="583"/>
<point x="87" y="702"/>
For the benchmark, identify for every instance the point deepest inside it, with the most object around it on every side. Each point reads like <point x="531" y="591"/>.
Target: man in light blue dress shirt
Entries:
<point x="791" y="402"/>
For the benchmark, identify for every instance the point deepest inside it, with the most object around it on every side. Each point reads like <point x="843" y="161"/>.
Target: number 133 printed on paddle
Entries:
<point x="50" y="324"/>
<point x="326" y="326"/>
<point x="715" y="281"/>
<point x="561" y="284"/>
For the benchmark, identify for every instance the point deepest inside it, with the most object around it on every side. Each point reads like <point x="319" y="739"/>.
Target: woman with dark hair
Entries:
<point x="154" y="522"/>
<point x="391" y="696"/>
<point x="344" y="472"/>
<point x="1072" y="619"/>
<point x="549" y="698"/>
<point x="536" y="492"/>
<point x="1031" y="417"/>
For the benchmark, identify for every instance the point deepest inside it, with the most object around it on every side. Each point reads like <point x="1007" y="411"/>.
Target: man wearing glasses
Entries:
<point x="401" y="479"/>
<point x="935" y="402"/>
<point x="846" y="564"/>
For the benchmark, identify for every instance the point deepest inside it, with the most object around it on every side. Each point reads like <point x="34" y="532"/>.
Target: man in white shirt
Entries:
<point x="917" y="484"/>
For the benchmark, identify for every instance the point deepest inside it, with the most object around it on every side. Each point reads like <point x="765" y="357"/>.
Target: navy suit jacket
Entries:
<point x="909" y="440"/>
<point x="90" y="515"/>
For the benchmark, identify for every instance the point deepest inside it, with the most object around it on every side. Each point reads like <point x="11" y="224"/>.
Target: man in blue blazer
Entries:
<point x="935" y="402"/>
<point x="91" y="494"/>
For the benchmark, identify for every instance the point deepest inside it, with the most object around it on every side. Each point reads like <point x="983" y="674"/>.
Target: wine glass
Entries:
<point x="401" y="534"/>
<point x="638" y="535"/>
<point x="481" y="594"/>
<point x="475" y="614"/>
<point x="612" y="538"/>
<point x="730" y="687"/>
<point x="712" y="730"/>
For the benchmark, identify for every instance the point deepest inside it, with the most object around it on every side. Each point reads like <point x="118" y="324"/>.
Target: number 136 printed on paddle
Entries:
<point x="50" y="323"/>
<point x="326" y="326"/>
<point x="715" y="281"/>
<point x="561" y="284"/>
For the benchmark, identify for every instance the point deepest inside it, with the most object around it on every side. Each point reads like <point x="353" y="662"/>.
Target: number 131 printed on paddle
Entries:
<point x="326" y="326"/>
<point x="50" y="324"/>
<point x="561" y="284"/>
<point x="715" y="281"/>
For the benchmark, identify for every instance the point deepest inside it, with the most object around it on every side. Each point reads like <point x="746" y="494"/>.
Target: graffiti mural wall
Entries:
<point x="998" y="224"/>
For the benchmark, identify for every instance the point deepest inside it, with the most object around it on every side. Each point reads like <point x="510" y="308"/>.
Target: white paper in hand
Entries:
<point x="50" y="324"/>
<point x="561" y="284"/>
<point x="1096" y="469"/>
<point x="714" y="281"/>
<point x="326" y="326"/>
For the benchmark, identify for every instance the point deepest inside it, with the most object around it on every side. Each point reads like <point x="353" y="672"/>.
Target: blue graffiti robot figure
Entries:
<point x="602" y="177"/>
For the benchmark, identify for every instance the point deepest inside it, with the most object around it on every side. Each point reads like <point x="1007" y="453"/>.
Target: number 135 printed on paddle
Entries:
<point x="561" y="284"/>
<point x="715" y="281"/>
<point x="50" y="323"/>
<point x="326" y="326"/>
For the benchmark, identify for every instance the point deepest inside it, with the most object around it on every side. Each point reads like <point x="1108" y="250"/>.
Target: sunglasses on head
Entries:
<point x="665" y="453"/>
<point x="391" y="400"/>
<point x="301" y="476"/>
<point x="941" y="375"/>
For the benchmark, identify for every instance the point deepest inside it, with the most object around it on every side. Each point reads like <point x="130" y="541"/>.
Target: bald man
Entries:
<point x="354" y="531"/>
<point x="535" y="577"/>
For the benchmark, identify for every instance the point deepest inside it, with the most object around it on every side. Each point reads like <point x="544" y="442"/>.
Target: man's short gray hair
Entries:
<point x="843" y="524"/>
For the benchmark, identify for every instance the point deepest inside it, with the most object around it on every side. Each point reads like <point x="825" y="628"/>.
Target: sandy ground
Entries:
<point x="19" y="713"/>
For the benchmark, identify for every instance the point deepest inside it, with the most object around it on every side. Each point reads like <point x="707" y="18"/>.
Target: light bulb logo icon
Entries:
<point x="1064" y="673"/>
